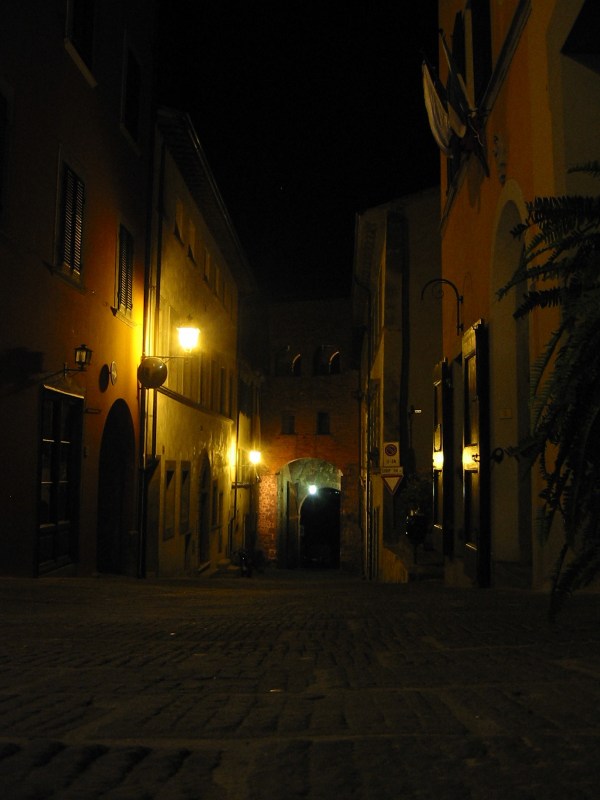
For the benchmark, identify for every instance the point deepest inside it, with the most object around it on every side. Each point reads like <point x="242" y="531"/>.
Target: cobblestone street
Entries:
<point x="294" y="685"/>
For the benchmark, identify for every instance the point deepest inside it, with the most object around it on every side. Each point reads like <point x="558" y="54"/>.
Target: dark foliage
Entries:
<point x="561" y="268"/>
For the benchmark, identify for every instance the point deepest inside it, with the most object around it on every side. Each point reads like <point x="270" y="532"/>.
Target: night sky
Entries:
<point x="308" y="113"/>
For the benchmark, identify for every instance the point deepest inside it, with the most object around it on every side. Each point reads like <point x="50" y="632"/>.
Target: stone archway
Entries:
<point x="116" y="549"/>
<point x="295" y="480"/>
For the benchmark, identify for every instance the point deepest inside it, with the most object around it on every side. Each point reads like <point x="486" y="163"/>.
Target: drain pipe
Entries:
<point x="368" y="545"/>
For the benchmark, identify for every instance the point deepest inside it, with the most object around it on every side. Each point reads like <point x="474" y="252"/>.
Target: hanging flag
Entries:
<point x="463" y="116"/>
<point x="459" y="107"/>
<point x="437" y="110"/>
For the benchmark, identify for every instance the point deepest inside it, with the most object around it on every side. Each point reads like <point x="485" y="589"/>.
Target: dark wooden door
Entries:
<point x="59" y="486"/>
<point x="442" y="460"/>
<point x="475" y="455"/>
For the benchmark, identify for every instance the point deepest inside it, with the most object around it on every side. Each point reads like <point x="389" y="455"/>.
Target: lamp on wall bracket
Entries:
<point x="83" y="358"/>
<point x="153" y="372"/>
<point x="254" y="460"/>
<point x="459" y="298"/>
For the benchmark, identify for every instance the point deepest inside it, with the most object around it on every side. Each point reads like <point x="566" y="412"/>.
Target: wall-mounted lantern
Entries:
<point x="83" y="357"/>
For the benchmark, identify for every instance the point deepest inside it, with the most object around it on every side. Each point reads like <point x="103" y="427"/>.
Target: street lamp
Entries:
<point x="153" y="372"/>
<point x="188" y="338"/>
<point x="254" y="456"/>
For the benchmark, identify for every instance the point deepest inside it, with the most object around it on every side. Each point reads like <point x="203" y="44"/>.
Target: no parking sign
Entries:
<point x="391" y="471"/>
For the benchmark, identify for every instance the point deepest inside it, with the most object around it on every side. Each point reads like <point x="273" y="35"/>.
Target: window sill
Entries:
<point x="80" y="63"/>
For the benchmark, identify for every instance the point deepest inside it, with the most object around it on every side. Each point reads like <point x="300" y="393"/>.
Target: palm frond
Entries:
<point x="562" y="249"/>
<point x="592" y="168"/>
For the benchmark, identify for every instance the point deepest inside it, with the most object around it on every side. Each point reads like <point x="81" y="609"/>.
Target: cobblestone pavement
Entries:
<point x="294" y="685"/>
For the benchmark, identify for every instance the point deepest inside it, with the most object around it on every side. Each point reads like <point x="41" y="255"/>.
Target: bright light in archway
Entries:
<point x="312" y="489"/>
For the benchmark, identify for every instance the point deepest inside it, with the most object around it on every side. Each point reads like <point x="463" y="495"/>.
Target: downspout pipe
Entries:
<point x="146" y="461"/>
<point x="367" y="566"/>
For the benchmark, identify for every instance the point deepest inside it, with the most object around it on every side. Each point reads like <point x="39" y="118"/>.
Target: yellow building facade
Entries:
<point x="196" y="433"/>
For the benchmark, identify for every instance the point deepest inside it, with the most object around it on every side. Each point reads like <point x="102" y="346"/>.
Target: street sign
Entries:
<point x="391" y="454"/>
<point x="392" y="482"/>
<point x="392" y="477"/>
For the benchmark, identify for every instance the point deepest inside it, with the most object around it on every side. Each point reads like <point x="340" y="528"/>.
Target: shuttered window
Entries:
<point x="125" y="276"/>
<point x="73" y="198"/>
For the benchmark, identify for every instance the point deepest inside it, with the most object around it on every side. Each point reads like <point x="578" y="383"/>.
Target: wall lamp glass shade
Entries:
<point x="152" y="372"/>
<point x="188" y="338"/>
<point x="83" y="356"/>
<point x="254" y="456"/>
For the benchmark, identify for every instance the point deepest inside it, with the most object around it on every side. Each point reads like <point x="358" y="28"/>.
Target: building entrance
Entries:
<point x="116" y="548"/>
<point x="320" y="530"/>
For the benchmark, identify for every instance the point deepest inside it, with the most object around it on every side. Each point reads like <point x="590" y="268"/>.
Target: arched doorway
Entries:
<point x="308" y="514"/>
<point x="116" y="548"/>
<point x="320" y="530"/>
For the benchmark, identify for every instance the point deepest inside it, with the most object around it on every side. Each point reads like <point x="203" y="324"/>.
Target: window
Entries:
<point x="184" y="498"/>
<point x="288" y="424"/>
<point x="222" y="391"/>
<point x="207" y="266"/>
<point x="297" y="365"/>
<point x="79" y="40"/>
<point x="178" y="229"/>
<point x="125" y="271"/>
<point x="132" y="95"/>
<point x="192" y="241"/>
<point x="214" y="387"/>
<point x="71" y="234"/>
<point x="323" y="423"/>
<point x="169" y="501"/>
<point x="204" y="381"/>
<point x="326" y="360"/>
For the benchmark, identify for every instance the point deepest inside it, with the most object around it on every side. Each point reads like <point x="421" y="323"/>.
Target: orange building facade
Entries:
<point x="530" y="77"/>
<point x="75" y="111"/>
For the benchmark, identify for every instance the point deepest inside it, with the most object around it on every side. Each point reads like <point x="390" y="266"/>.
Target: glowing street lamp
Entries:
<point x="254" y="456"/>
<point x="152" y="372"/>
<point x="188" y="338"/>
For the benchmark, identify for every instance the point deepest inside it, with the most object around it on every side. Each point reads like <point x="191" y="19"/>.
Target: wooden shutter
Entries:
<point x="125" y="288"/>
<point x="475" y="456"/>
<point x="72" y="239"/>
<point x="442" y="461"/>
